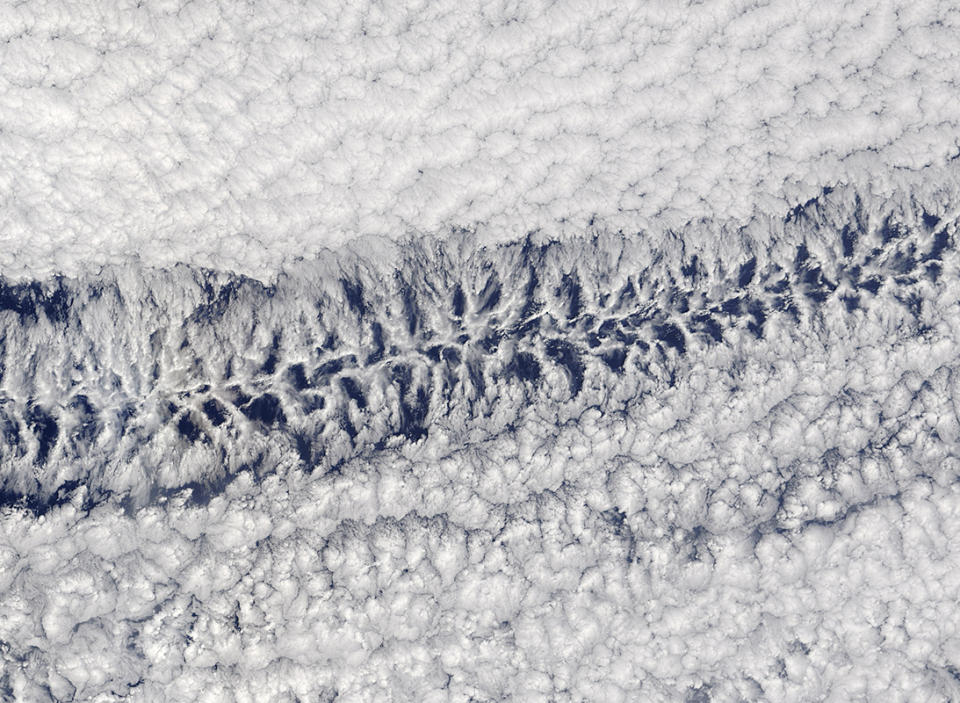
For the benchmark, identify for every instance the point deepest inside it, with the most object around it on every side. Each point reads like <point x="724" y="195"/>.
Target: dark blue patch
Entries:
<point x="6" y="689"/>
<point x="376" y="355"/>
<point x="347" y="426"/>
<point x="124" y="415"/>
<point x="216" y="304"/>
<point x="266" y="409"/>
<point x="56" y="304"/>
<point x="433" y="353"/>
<point x="270" y="365"/>
<point x="873" y="255"/>
<point x="625" y="337"/>
<point x="871" y="284"/>
<point x="933" y="271"/>
<point x="352" y="389"/>
<point x="697" y="695"/>
<point x="29" y="299"/>
<point x="402" y="375"/>
<point x="475" y="372"/>
<point x="328" y="368"/>
<point x="451" y="356"/>
<point x="690" y="270"/>
<point x="526" y="328"/>
<point x="88" y="426"/>
<point x="214" y="411"/>
<point x="852" y="302"/>
<point x="615" y="358"/>
<point x="606" y="328"/>
<point x="912" y="302"/>
<point x="570" y="290"/>
<point x="617" y="519"/>
<point x="413" y="416"/>
<point x="593" y="341"/>
<point x="568" y="356"/>
<point x="304" y="448"/>
<point x="239" y="397"/>
<point x="813" y="277"/>
<point x="747" y="270"/>
<point x="188" y="428"/>
<point x="11" y="430"/>
<point x="680" y="300"/>
<point x="930" y="221"/>
<point x="298" y="377"/>
<point x="65" y="492"/>
<point x="732" y="306"/>
<point x="459" y="301"/>
<point x="849" y="238"/>
<point x="490" y="342"/>
<point x="524" y="366"/>
<point x="313" y="402"/>
<point x="202" y="492"/>
<point x="803" y="255"/>
<point x="628" y="294"/>
<point x="940" y="243"/>
<point x="672" y="336"/>
<point x="410" y="310"/>
<point x="32" y="502"/>
<point x="780" y="286"/>
<point x="45" y="427"/>
<point x="817" y="296"/>
<point x="710" y="326"/>
<point x="489" y="297"/>
<point x="756" y="310"/>
<point x="531" y="306"/>
<point x="15" y="299"/>
<point x="890" y="230"/>
<point x="353" y="290"/>
<point x="904" y="261"/>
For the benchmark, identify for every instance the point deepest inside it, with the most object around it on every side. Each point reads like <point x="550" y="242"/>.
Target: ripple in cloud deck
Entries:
<point x="509" y="352"/>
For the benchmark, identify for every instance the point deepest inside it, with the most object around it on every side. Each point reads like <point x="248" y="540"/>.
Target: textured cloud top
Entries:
<point x="601" y="468"/>
<point x="479" y="352"/>
<point x="239" y="136"/>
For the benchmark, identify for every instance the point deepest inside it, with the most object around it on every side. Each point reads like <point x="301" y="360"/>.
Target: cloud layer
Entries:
<point x="542" y="470"/>
<point x="239" y="139"/>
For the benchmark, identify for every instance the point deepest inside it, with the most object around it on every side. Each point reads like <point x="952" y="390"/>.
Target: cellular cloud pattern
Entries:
<point x="239" y="136"/>
<point x="538" y="470"/>
<point x="507" y="351"/>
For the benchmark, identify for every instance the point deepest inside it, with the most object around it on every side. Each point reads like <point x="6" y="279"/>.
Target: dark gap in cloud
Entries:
<point x="386" y="353"/>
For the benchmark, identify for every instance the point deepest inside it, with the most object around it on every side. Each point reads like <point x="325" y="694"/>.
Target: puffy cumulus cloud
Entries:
<point x="602" y="467"/>
<point x="240" y="137"/>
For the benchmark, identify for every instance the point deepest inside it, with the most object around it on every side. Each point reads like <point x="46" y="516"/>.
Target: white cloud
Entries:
<point x="704" y="479"/>
<point x="242" y="139"/>
<point x="708" y="457"/>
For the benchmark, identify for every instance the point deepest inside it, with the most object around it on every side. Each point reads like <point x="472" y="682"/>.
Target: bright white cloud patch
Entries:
<point x="239" y="136"/>
<point x="578" y="470"/>
<point x="584" y="353"/>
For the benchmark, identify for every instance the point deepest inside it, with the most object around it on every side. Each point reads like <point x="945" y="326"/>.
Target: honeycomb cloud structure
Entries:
<point x="476" y="352"/>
